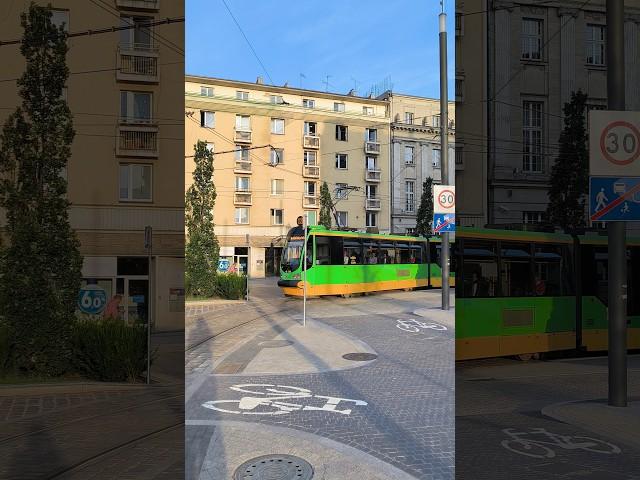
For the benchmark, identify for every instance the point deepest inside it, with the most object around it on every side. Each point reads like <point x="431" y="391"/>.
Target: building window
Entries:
<point x="533" y="217"/>
<point x="136" y="107"/>
<point x="310" y="128"/>
<point x="206" y="91"/>
<point x="310" y="189"/>
<point x="308" y="103"/>
<point x="408" y="118"/>
<point x="372" y="219"/>
<point x="370" y="163"/>
<point x="139" y="37"/>
<point x="207" y="119"/>
<point x="408" y="155"/>
<point x="531" y="39"/>
<point x="595" y="47"/>
<point x="459" y="86"/>
<point x="410" y="231"/>
<point x="459" y="153"/>
<point x="243" y="184"/>
<point x="341" y="133"/>
<point x="532" y="137"/>
<point x="277" y="216"/>
<point x="310" y="158"/>
<point x="277" y="186"/>
<point x="277" y="156"/>
<point x="242" y="153"/>
<point x="338" y="107"/>
<point x="435" y="158"/>
<point x="367" y="110"/>
<point x="242" y="215"/>
<point x="210" y="147"/>
<point x="276" y="99"/>
<point x="435" y="120"/>
<point x="277" y="126"/>
<point x="240" y="95"/>
<point x="371" y="135"/>
<point x="341" y="190"/>
<point x="60" y="18"/>
<point x="243" y="123"/>
<point x="341" y="161"/>
<point x="342" y="219"/>
<point x="410" y="188"/>
<point x="371" y="191"/>
<point x="135" y="182"/>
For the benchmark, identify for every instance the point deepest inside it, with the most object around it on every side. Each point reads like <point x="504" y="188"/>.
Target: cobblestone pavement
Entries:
<point x="498" y="408"/>
<point x="407" y="420"/>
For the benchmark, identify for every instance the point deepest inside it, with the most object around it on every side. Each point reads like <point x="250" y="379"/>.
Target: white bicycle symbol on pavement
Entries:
<point x="414" y="326"/>
<point x="518" y="443"/>
<point x="269" y="399"/>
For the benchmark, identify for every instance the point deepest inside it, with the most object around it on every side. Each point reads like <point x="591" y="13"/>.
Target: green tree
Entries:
<point x="202" y="249"/>
<point x="326" y="204"/>
<point x="424" y="217"/>
<point x="41" y="261"/>
<point x="570" y="171"/>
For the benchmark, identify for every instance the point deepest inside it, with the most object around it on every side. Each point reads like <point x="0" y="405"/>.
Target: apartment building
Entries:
<point x="415" y="153"/>
<point x="126" y="165"/>
<point x="517" y="64"/>
<point x="273" y="148"/>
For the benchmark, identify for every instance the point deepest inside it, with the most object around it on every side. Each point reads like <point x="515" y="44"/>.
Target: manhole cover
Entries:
<point x="274" y="467"/>
<point x="360" y="357"/>
<point x="275" y="343"/>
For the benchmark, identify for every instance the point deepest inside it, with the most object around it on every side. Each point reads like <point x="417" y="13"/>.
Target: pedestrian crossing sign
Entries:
<point x="444" y="223"/>
<point x="614" y="199"/>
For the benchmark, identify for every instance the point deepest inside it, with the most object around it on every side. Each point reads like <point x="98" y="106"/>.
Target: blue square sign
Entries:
<point x="614" y="199"/>
<point x="444" y="223"/>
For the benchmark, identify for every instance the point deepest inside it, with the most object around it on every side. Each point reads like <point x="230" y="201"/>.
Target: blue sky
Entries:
<point x="360" y="41"/>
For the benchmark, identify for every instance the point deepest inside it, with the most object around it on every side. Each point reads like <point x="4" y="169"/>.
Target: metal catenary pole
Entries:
<point x="444" y="150"/>
<point x="248" y="263"/>
<point x="617" y="230"/>
<point x="303" y="255"/>
<point x="148" y="243"/>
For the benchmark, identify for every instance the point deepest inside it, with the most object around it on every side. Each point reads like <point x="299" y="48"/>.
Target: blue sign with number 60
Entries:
<point x="92" y="299"/>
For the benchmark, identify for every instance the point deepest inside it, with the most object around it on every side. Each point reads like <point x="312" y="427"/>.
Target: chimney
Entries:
<point x="260" y="80"/>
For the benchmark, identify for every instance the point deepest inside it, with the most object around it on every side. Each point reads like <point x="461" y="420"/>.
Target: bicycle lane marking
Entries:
<point x="415" y="326"/>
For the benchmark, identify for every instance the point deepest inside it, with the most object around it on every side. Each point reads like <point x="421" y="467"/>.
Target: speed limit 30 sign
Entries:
<point x="614" y="143"/>
<point x="444" y="199"/>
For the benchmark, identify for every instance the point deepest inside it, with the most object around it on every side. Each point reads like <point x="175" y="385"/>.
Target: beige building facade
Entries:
<point x="127" y="152"/>
<point x="415" y="153"/>
<point x="273" y="148"/>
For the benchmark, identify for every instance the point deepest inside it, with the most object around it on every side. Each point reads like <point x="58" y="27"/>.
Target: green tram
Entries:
<point x="346" y="262"/>
<point x="522" y="293"/>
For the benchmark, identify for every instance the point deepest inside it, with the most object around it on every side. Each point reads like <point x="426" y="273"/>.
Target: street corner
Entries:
<point x="220" y="449"/>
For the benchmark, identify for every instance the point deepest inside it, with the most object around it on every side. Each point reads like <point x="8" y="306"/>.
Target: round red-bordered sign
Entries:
<point x="446" y="205"/>
<point x="603" y="149"/>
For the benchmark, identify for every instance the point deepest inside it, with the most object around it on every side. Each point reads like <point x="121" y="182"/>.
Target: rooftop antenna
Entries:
<point x="302" y="75"/>
<point x="355" y="85"/>
<point x="326" y="83"/>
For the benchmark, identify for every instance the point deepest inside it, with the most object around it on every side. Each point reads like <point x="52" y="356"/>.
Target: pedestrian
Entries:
<point x="111" y="311"/>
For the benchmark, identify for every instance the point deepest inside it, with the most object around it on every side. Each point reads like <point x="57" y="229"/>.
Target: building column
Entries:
<point x="567" y="54"/>
<point x="502" y="86"/>
<point x="631" y="60"/>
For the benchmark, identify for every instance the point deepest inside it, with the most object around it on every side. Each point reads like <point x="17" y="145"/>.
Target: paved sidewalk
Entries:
<point x="620" y="424"/>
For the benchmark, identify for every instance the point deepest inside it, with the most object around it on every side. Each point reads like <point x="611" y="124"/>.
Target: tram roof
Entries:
<point x="515" y="235"/>
<point x="387" y="236"/>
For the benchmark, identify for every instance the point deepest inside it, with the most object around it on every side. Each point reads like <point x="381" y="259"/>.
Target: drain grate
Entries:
<point x="274" y="467"/>
<point x="360" y="357"/>
<point x="275" y="343"/>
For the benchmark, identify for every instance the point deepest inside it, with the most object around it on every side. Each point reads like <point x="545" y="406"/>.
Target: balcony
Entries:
<point x="138" y="4"/>
<point x="137" y="63"/>
<point x="311" y="171"/>
<point x="242" y="136"/>
<point x="372" y="175"/>
<point x="311" y="141"/>
<point x="310" y="201"/>
<point x="242" y="166"/>
<point x="372" y="203"/>
<point x="372" y="147"/>
<point x="137" y="141"/>
<point x="242" y="197"/>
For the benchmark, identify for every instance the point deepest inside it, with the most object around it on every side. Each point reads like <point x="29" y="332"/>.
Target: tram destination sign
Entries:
<point x="614" y="143"/>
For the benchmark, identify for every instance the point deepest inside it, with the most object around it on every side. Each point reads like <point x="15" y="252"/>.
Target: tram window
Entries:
<point x="480" y="265"/>
<point x="370" y="252"/>
<point x="404" y="253"/>
<point x="352" y="251"/>
<point x="516" y="270"/>
<point x="415" y="255"/>
<point x="434" y="250"/>
<point x="548" y="271"/>
<point x="601" y="274"/>
<point x="329" y="250"/>
<point x="387" y="252"/>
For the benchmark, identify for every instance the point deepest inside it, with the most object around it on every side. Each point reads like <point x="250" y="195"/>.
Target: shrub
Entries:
<point x="231" y="286"/>
<point x="110" y="350"/>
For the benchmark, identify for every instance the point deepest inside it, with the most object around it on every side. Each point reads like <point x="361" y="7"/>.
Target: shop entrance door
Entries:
<point x="135" y="298"/>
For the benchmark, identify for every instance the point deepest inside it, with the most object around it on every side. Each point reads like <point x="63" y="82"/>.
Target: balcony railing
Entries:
<point x="372" y="175"/>
<point x="310" y="201"/>
<point x="372" y="203"/>
<point x="137" y="63"/>
<point x="242" y="166"/>
<point x="137" y="141"/>
<point x="311" y="141"/>
<point x="312" y="171"/>
<point x="139" y="4"/>
<point x="242" y="197"/>
<point x="372" y="147"/>
<point x="242" y="136"/>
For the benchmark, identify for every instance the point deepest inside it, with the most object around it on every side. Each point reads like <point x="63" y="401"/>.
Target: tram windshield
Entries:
<point x="293" y="249"/>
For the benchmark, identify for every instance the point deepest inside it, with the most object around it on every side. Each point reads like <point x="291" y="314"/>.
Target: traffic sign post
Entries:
<point x="148" y="244"/>
<point x="444" y="223"/>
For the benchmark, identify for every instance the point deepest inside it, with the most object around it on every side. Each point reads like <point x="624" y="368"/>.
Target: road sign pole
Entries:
<point x="303" y="255"/>
<point x="444" y="151"/>
<point x="148" y="236"/>
<point x="616" y="230"/>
